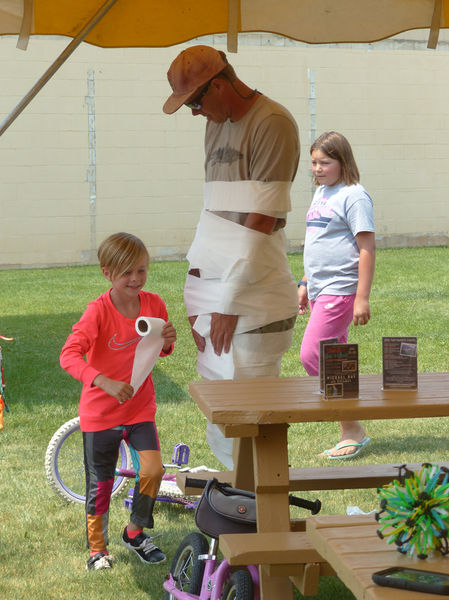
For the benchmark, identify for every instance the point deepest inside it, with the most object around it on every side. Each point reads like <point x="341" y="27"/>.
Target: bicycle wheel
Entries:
<point x="239" y="587"/>
<point x="64" y="463"/>
<point x="186" y="569"/>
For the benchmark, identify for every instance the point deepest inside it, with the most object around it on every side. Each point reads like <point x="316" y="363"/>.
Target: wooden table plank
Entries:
<point x="297" y="400"/>
<point x="353" y="549"/>
<point x="268" y="548"/>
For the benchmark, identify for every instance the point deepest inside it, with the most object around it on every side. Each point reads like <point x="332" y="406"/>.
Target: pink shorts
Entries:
<point x="330" y="317"/>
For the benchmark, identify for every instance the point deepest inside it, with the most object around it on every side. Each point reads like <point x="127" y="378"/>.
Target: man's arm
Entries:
<point x="223" y="326"/>
<point x="277" y="138"/>
<point x="259" y="222"/>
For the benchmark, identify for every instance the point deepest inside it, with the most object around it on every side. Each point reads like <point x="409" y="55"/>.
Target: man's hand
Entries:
<point x="198" y="339"/>
<point x="117" y="389"/>
<point x="222" y="329"/>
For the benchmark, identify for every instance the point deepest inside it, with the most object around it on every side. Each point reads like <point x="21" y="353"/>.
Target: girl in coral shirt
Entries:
<point x="110" y="408"/>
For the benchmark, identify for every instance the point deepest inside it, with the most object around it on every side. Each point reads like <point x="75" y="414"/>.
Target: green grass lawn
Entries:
<point x="42" y="546"/>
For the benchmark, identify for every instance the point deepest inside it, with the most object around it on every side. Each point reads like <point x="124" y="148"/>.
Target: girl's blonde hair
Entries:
<point x="336" y="146"/>
<point x="120" y="252"/>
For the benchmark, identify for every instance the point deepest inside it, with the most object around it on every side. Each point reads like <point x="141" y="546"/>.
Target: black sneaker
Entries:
<point x="144" y="547"/>
<point x="101" y="560"/>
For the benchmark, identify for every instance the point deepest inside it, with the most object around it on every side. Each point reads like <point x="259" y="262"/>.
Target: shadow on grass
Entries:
<point x="167" y="390"/>
<point x="408" y="444"/>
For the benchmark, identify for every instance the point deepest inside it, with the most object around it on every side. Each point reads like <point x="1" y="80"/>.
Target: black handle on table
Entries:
<point x="314" y="506"/>
<point x="196" y="483"/>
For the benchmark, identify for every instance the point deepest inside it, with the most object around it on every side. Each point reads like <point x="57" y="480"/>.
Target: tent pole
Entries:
<point x="55" y="66"/>
<point x="435" y="25"/>
<point x="233" y="24"/>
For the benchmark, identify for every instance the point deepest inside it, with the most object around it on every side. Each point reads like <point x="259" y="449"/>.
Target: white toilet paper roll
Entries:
<point x="149" y="326"/>
<point x="147" y="350"/>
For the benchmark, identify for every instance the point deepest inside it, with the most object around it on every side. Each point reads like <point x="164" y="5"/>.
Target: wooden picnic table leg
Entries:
<point x="242" y="455"/>
<point x="271" y="479"/>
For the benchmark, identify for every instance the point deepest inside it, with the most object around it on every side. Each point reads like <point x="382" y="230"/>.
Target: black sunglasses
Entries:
<point x="196" y="103"/>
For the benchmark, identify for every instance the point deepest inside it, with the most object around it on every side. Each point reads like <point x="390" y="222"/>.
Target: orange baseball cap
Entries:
<point x="191" y="70"/>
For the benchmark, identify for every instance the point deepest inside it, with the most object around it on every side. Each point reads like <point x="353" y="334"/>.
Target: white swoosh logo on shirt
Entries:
<point x="114" y="345"/>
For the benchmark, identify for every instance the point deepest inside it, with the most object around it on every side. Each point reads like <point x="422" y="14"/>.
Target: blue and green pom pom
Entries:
<point x="414" y="511"/>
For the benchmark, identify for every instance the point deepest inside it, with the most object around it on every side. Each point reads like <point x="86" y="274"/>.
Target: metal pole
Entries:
<point x="92" y="172"/>
<point x="55" y="66"/>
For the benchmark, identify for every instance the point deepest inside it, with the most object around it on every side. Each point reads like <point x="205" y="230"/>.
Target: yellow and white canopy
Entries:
<point x="159" y="23"/>
<point x="156" y="23"/>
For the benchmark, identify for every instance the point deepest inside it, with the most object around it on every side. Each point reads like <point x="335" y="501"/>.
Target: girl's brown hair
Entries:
<point x="336" y="146"/>
<point x="120" y="252"/>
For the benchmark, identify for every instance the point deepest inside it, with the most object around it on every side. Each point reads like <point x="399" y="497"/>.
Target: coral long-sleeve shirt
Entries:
<point x="108" y="342"/>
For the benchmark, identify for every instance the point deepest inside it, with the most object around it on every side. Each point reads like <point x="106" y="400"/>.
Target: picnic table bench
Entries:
<point x="346" y="477"/>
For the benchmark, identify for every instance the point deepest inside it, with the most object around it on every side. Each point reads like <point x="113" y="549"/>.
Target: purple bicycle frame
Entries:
<point x="213" y="581"/>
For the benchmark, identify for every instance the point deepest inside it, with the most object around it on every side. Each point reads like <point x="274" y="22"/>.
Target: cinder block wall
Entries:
<point x="93" y="153"/>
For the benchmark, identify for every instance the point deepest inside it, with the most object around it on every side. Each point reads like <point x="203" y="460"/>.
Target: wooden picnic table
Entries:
<point x="352" y="547"/>
<point x="258" y="411"/>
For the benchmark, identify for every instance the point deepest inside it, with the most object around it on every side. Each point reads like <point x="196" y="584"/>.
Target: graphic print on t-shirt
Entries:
<point x="319" y="215"/>
<point x="225" y="154"/>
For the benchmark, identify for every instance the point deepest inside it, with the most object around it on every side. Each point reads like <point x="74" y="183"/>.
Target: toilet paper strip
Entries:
<point x="147" y="350"/>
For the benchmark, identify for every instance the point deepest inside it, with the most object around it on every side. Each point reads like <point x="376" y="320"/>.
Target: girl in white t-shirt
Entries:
<point x="339" y="259"/>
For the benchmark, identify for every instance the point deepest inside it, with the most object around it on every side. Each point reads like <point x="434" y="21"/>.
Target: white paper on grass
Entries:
<point x="355" y="510"/>
<point x="147" y="350"/>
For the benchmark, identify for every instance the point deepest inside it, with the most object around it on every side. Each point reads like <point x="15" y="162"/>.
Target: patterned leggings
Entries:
<point x="100" y="458"/>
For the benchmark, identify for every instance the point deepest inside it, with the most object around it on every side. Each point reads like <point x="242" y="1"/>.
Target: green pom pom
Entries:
<point x="414" y="512"/>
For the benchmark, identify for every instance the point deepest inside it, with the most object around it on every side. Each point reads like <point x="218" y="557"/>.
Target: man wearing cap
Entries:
<point x="240" y="295"/>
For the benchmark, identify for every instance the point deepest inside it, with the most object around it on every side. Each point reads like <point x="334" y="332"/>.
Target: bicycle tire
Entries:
<point x="239" y="587"/>
<point x="64" y="464"/>
<point x="186" y="569"/>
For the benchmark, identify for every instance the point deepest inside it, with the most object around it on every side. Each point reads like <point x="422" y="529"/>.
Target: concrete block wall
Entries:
<point x="93" y="153"/>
